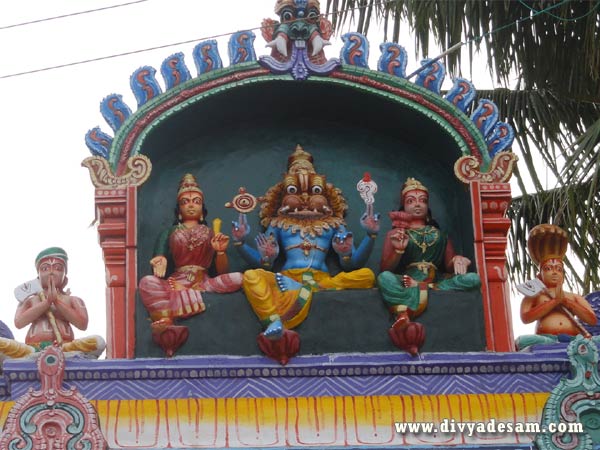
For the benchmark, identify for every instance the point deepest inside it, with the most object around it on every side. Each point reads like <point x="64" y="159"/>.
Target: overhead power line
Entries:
<point x="116" y="55"/>
<point x="382" y="3"/>
<point x="479" y="38"/>
<point x="46" y="19"/>
<point x="562" y="19"/>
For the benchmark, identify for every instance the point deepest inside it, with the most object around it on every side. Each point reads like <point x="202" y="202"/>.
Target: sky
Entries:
<point x="47" y="197"/>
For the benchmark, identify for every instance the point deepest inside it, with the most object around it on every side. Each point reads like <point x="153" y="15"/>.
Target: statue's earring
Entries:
<point x="179" y="217"/>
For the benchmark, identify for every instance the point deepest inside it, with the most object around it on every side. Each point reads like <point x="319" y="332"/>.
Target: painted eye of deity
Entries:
<point x="287" y="15"/>
<point x="412" y="198"/>
<point x="292" y="189"/>
<point x="313" y="14"/>
<point x="317" y="190"/>
<point x="194" y="198"/>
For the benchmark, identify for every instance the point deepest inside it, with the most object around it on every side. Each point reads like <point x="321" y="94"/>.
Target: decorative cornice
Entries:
<point x="574" y="401"/>
<point x="384" y="374"/>
<point x="52" y="417"/>
<point x="485" y="139"/>
<point x="468" y="168"/>
<point x="138" y="171"/>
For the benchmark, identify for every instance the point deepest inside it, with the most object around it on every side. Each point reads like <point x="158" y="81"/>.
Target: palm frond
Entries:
<point x="548" y="126"/>
<point x="548" y="50"/>
<point x="553" y="48"/>
<point x="573" y="209"/>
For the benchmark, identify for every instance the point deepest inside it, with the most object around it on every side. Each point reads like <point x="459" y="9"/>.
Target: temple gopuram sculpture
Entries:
<point x="424" y="257"/>
<point x="50" y="311"/>
<point x="303" y="217"/>
<point x="52" y="417"/>
<point x="348" y="385"/>
<point x="192" y="247"/>
<point x="297" y="41"/>
<point x="558" y="313"/>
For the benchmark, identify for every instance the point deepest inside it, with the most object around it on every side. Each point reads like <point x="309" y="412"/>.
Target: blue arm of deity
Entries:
<point x="267" y="244"/>
<point x="250" y="255"/>
<point x="352" y="258"/>
<point x="362" y="253"/>
<point x="370" y="223"/>
<point x="265" y="253"/>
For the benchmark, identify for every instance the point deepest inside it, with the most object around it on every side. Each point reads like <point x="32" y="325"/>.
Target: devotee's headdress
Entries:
<point x="51" y="252"/>
<point x="547" y="242"/>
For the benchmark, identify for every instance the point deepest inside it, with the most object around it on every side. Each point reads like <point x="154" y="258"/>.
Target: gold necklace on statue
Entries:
<point x="195" y="236"/>
<point x="428" y="237"/>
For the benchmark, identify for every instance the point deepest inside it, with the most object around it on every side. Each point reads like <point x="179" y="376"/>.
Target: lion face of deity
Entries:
<point x="304" y="197"/>
<point x="303" y="201"/>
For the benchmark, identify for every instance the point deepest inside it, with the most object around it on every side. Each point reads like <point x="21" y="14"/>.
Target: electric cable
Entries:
<point x="562" y="19"/>
<point x="383" y="3"/>
<point x="62" y="16"/>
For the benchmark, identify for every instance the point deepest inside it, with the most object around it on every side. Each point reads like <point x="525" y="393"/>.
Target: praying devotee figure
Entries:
<point x="304" y="219"/>
<point x="51" y="311"/>
<point x="556" y="311"/>
<point x="416" y="256"/>
<point x="193" y="247"/>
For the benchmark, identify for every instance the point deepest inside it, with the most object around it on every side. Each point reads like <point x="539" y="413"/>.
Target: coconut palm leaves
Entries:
<point x="552" y="49"/>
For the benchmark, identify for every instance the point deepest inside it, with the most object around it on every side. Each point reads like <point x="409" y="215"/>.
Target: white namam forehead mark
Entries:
<point x="303" y="179"/>
<point x="553" y="264"/>
<point x="51" y="261"/>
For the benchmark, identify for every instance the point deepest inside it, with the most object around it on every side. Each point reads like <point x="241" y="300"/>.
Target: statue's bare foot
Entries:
<point x="274" y="331"/>
<point x="161" y="325"/>
<point x="286" y="283"/>
<point x="409" y="281"/>
<point x="402" y="320"/>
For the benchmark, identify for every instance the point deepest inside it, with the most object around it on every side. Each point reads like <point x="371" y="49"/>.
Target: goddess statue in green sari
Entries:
<point x="418" y="256"/>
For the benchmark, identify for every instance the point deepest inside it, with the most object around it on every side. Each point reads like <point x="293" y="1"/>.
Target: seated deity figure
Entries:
<point x="192" y="247"/>
<point x="555" y="310"/>
<point x="51" y="311"/>
<point x="418" y="256"/>
<point x="303" y="216"/>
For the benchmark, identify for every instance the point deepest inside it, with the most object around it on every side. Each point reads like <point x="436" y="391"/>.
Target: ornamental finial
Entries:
<point x="300" y="162"/>
<point x="412" y="184"/>
<point x="189" y="184"/>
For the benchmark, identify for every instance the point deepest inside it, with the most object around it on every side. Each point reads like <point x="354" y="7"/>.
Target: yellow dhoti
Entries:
<point x="267" y="300"/>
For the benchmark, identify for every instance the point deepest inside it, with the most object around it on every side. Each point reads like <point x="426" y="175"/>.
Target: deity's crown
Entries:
<point x="189" y="184"/>
<point x="547" y="242"/>
<point x="300" y="162"/>
<point x="51" y="252"/>
<point x="413" y="184"/>
<point x="296" y="4"/>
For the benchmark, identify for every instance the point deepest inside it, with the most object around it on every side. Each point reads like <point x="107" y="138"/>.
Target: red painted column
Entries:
<point x="117" y="222"/>
<point x="490" y="224"/>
